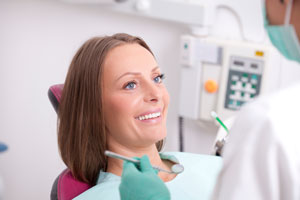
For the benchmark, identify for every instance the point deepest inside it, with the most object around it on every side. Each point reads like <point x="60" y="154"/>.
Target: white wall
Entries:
<point x="37" y="42"/>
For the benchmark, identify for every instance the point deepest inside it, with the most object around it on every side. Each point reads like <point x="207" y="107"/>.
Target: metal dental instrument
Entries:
<point x="175" y="169"/>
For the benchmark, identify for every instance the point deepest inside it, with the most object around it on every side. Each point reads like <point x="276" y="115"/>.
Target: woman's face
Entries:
<point x="135" y="100"/>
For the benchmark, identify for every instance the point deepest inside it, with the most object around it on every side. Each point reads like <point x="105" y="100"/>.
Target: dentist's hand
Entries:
<point x="143" y="183"/>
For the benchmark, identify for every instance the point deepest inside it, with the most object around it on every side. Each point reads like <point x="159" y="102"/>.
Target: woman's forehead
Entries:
<point x="129" y="58"/>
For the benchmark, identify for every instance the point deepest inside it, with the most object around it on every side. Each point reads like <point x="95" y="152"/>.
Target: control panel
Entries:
<point x="244" y="81"/>
<point x="223" y="75"/>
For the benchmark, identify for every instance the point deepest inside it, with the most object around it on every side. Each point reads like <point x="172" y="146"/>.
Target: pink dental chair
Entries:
<point x="65" y="186"/>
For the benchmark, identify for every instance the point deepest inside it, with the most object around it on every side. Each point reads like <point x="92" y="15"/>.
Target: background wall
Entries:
<point x="37" y="42"/>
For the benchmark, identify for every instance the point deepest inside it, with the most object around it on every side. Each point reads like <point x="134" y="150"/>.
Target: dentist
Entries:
<point x="262" y="156"/>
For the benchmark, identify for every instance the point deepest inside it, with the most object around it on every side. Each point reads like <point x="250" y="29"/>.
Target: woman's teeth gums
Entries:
<point x="150" y="116"/>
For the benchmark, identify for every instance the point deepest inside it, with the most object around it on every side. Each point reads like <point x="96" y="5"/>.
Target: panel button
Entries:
<point x="211" y="86"/>
<point x="253" y="81"/>
<point x="247" y="97"/>
<point x="244" y="79"/>
<point x="254" y="77"/>
<point x="245" y="75"/>
<point x="234" y="78"/>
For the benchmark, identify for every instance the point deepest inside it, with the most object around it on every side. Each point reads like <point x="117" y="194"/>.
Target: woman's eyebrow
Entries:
<point x="128" y="73"/>
<point x="155" y="68"/>
<point x="135" y="73"/>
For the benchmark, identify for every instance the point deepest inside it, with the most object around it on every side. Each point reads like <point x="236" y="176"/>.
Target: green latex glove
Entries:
<point x="142" y="183"/>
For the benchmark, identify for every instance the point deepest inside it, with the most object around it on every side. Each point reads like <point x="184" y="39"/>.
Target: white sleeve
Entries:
<point x="259" y="162"/>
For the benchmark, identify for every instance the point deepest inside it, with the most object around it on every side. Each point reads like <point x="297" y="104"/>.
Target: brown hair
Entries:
<point x="81" y="124"/>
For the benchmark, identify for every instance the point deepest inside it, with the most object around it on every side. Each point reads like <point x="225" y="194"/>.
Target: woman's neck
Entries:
<point x="115" y="166"/>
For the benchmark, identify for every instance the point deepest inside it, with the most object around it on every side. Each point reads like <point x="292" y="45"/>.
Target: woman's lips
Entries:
<point x="150" y="116"/>
<point x="151" y="120"/>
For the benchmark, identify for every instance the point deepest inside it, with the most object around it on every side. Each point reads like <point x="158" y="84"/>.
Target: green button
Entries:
<point x="244" y="84"/>
<point x="252" y="95"/>
<point x="186" y="45"/>
<point x="253" y="86"/>
<point x="233" y="82"/>
<point x="232" y="92"/>
<point x="254" y="77"/>
<point x="245" y="75"/>
<point x="243" y="94"/>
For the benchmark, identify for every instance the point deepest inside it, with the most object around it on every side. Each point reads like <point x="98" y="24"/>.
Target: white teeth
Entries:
<point x="149" y="116"/>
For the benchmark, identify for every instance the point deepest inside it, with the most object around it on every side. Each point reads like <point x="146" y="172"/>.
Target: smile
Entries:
<point x="149" y="116"/>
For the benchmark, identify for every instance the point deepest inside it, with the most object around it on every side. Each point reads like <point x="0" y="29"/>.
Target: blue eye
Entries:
<point x="159" y="78"/>
<point x="130" y="85"/>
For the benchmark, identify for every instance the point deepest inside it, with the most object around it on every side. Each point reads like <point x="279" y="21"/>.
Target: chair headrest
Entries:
<point x="54" y="94"/>
<point x="68" y="187"/>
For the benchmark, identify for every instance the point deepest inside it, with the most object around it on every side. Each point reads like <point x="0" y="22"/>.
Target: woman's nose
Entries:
<point x="153" y="93"/>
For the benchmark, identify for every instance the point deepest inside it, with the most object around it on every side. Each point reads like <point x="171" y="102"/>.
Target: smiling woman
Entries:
<point x="87" y="98"/>
<point x="114" y="99"/>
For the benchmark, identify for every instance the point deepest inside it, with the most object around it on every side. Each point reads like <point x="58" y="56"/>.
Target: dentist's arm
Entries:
<point x="143" y="183"/>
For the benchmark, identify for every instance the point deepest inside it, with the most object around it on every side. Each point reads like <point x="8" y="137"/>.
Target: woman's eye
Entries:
<point x="130" y="86"/>
<point x="159" y="78"/>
